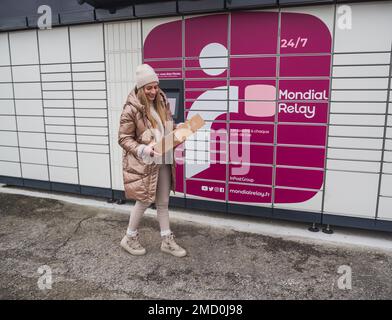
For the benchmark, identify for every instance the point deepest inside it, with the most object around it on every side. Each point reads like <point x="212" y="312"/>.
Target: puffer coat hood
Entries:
<point x="140" y="178"/>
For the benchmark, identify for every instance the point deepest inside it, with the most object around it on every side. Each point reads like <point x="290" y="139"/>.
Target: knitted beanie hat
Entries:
<point x="144" y="75"/>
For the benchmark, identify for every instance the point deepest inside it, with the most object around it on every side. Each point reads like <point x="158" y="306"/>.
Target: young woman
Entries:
<point x="148" y="175"/>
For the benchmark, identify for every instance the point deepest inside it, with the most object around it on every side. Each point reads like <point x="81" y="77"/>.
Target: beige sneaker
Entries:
<point x="132" y="245"/>
<point x="170" y="246"/>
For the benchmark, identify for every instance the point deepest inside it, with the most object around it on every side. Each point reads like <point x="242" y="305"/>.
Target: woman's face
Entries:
<point x="151" y="90"/>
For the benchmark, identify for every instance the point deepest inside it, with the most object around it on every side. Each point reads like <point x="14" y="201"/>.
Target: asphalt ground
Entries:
<point x="79" y="247"/>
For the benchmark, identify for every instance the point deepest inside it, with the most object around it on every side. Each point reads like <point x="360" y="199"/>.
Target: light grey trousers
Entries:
<point x="161" y="202"/>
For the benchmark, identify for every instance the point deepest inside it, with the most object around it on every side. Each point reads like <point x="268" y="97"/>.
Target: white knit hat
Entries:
<point x="144" y="75"/>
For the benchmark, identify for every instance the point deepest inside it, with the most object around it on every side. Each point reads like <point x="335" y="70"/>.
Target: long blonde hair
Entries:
<point x="158" y="104"/>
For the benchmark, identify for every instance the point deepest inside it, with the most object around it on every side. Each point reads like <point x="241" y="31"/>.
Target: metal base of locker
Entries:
<point x="95" y="191"/>
<point x="256" y="211"/>
<point x="313" y="228"/>
<point x="65" y="187"/>
<point x="11" y="181"/>
<point x="206" y="205"/>
<point x="359" y="223"/>
<point x="37" y="184"/>
<point x="294" y="215"/>
<point x="177" y="202"/>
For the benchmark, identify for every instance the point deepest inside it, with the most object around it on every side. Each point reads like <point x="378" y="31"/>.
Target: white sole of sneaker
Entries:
<point x="179" y="255"/>
<point x="132" y="252"/>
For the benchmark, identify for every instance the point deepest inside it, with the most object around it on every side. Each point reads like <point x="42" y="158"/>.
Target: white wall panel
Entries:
<point x="365" y="155"/>
<point x="32" y="139"/>
<point x="368" y="19"/>
<point x="91" y="130"/>
<point x="122" y="58"/>
<point x="388" y="144"/>
<point x="63" y="175"/>
<point x="58" y="104"/>
<point x="360" y="83"/>
<point x="59" y="120"/>
<point x="62" y="158"/>
<point x="389" y="121"/>
<point x="91" y="122"/>
<point x="63" y="67"/>
<point x="6" y="91"/>
<point x="57" y="112"/>
<point x="27" y="90"/>
<point x="61" y="146"/>
<point x="92" y="139"/>
<point x="93" y="148"/>
<point x="35" y="171"/>
<point x="8" y="138"/>
<point x="86" y="104"/>
<point x="60" y="137"/>
<point x="361" y="58"/>
<point x="96" y="85"/>
<point x="22" y="42"/>
<point x="57" y="95"/>
<point x="7" y="107"/>
<point x="387" y="167"/>
<point x="365" y="120"/>
<point x="90" y="113"/>
<point x="57" y="85"/>
<point x="361" y="143"/>
<point x="93" y="66"/>
<point x="389" y="133"/>
<point x="56" y="77"/>
<point x="90" y="94"/>
<point x="94" y="169"/>
<point x="117" y="175"/>
<point x="11" y="169"/>
<point x="386" y="185"/>
<point x="4" y="49"/>
<point x="352" y="194"/>
<point x="348" y="165"/>
<point x="358" y="107"/>
<point x="9" y="153"/>
<point x="26" y="73"/>
<point x="5" y="74"/>
<point x="363" y="95"/>
<point x="88" y="76"/>
<point x="37" y="156"/>
<point x="35" y="124"/>
<point x="388" y="156"/>
<point x="60" y="129"/>
<point x="354" y="131"/>
<point x="7" y="123"/>
<point x="53" y="45"/>
<point x="28" y="107"/>
<point x="87" y="43"/>
<point x="385" y="208"/>
<point x="360" y="71"/>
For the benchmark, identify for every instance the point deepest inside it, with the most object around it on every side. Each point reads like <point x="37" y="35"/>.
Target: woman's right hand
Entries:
<point x="149" y="151"/>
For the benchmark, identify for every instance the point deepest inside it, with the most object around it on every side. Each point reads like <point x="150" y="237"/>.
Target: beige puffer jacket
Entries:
<point x="140" y="178"/>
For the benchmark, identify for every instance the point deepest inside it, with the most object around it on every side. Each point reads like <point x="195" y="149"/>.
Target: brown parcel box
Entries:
<point x="180" y="134"/>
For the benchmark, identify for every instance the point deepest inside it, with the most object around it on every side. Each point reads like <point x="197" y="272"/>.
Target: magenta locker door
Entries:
<point x="265" y="103"/>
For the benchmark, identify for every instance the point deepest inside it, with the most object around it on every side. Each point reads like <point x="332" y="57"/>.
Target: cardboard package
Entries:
<point x="180" y="134"/>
